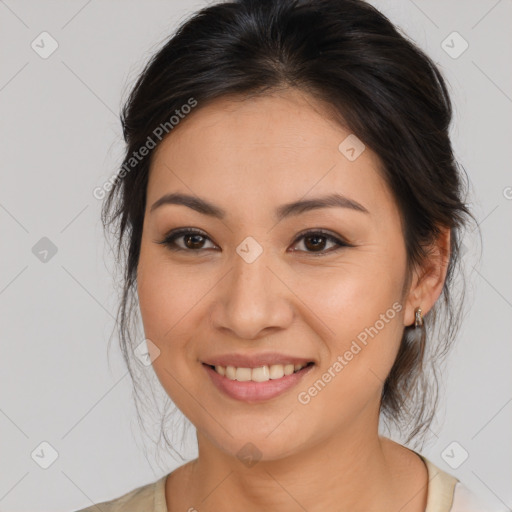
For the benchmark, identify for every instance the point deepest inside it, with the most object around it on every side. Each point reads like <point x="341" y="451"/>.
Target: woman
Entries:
<point x="292" y="212"/>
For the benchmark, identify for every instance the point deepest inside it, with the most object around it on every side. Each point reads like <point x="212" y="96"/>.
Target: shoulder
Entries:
<point x="149" y="497"/>
<point x="465" y="501"/>
<point x="448" y="494"/>
<point x="441" y="486"/>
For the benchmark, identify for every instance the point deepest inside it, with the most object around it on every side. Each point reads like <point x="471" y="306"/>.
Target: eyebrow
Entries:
<point x="283" y="211"/>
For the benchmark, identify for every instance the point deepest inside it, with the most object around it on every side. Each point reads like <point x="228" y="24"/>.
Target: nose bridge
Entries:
<point x="252" y="297"/>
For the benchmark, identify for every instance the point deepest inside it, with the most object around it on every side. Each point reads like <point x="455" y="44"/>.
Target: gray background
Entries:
<point x="61" y="138"/>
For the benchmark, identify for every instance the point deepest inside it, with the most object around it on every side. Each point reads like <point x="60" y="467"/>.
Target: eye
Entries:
<point x="193" y="240"/>
<point x="316" y="240"/>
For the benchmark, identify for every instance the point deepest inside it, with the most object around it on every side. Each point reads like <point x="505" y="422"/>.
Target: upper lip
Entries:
<point x="255" y="360"/>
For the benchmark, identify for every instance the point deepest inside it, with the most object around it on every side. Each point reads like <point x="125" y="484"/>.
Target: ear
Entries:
<point x="428" y="280"/>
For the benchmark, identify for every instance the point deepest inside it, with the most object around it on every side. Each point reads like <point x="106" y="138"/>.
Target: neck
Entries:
<point x="353" y="471"/>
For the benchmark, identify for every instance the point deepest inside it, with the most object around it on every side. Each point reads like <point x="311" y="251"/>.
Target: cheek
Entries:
<point x="356" y="295"/>
<point x="166" y="296"/>
<point x="166" y="293"/>
<point x="358" y="356"/>
<point x="166" y="299"/>
<point x="360" y="305"/>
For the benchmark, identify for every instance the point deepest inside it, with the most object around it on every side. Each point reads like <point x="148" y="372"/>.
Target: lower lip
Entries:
<point x="250" y="391"/>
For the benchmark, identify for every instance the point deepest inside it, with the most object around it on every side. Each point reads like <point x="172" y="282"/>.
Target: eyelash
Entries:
<point x="169" y="240"/>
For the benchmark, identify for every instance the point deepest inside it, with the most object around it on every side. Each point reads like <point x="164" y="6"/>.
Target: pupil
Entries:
<point x="316" y="244"/>
<point x="192" y="237"/>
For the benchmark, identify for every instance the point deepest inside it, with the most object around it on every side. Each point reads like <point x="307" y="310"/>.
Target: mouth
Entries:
<point x="258" y="384"/>
<point x="262" y="373"/>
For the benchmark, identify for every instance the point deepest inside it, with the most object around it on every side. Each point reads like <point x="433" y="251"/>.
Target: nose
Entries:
<point x="252" y="300"/>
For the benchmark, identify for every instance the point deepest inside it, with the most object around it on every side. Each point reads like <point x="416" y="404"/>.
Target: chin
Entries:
<point x="250" y="444"/>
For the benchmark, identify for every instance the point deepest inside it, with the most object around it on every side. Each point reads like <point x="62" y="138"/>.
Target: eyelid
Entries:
<point x="319" y="231"/>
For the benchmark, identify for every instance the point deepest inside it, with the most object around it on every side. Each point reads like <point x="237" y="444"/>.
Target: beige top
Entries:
<point x="445" y="494"/>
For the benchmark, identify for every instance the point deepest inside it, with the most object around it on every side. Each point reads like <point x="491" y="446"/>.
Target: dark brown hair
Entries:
<point x="377" y="83"/>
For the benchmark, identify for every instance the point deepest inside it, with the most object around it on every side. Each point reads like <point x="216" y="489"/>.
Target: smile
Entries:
<point x="259" y="374"/>
<point x="256" y="384"/>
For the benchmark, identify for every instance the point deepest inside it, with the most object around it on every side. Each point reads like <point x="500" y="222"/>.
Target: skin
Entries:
<point x="249" y="157"/>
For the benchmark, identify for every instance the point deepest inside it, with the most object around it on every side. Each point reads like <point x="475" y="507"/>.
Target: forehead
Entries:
<point x="270" y="149"/>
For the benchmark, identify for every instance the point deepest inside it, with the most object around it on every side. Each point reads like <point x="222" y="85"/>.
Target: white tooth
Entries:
<point x="230" y="372"/>
<point x="276" y="371"/>
<point x="243" y="374"/>
<point x="261" y="374"/>
<point x="288" y="369"/>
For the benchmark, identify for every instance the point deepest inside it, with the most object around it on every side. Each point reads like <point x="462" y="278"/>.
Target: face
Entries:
<point x="320" y="285"/>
